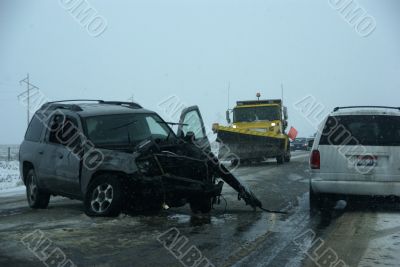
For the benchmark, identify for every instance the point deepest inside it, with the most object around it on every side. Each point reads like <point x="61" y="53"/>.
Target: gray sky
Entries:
<point x="193" y="49"/>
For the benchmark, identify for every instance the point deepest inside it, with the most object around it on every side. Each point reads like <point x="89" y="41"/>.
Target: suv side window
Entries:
<point x="192" y="123"/>
<point x="34" y="130"/>
<point x="64" y="131"/>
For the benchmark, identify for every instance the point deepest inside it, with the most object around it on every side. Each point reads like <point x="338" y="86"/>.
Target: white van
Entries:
<point x="356" y="152"/>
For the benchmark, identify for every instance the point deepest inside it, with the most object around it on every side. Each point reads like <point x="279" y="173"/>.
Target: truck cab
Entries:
<point x="261" y="116"/>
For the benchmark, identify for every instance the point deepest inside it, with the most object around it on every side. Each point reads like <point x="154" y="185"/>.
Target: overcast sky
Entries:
<point x="193" y="50"/>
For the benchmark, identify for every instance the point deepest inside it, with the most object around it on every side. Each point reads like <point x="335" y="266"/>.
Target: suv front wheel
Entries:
<point x="201" y="205"/>
<point x="104" y="196"/>
<point x="37" y="199"/>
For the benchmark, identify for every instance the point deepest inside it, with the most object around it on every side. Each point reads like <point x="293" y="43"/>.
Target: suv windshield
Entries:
<point x="249" y="114"/>
<point x="127" y="129"/>
<point x="367" y="130"/>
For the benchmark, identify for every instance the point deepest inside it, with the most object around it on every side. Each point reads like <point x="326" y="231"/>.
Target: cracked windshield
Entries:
<point x="199" y="133"/>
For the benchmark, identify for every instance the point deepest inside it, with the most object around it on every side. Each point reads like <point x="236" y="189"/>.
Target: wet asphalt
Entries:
<point x="365" y="232"/>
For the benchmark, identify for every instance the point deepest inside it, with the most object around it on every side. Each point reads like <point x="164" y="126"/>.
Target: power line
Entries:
<point x="29" y="87"/>
<point x="132" y="98"/>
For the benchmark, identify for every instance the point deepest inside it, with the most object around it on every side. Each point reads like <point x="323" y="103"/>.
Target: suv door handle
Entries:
<point x="60" y="156"/>
<point x="41" y="152"/>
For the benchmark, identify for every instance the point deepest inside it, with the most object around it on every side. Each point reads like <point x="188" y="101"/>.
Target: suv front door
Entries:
<point x="65" y="155"/>
<point x="191" y="126"/>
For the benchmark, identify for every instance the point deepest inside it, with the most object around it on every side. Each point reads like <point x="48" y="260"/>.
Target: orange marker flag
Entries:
<point x="292" y="133"/>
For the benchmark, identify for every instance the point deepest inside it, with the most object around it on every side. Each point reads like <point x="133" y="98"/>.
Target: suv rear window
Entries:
<point x="34" y="130"/>
<point x="367" y="130"/>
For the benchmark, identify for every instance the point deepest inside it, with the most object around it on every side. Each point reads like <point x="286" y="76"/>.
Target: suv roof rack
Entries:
<point x="53" y="106"/>
<point x="337" y="108"/>
<point x="75" y="107"/>
<point x="121" y="103"/>
<point x="76" y="100"/>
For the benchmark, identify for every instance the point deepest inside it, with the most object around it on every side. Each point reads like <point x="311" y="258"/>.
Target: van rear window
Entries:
<point x="367" y="130"/>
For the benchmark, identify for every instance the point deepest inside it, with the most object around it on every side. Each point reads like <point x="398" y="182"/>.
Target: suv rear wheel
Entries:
<point x="104" y="196"/>
<point x="37" y="199"/>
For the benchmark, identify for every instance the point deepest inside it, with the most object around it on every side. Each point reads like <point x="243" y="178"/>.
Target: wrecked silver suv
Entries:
<point x="117" y="156"/>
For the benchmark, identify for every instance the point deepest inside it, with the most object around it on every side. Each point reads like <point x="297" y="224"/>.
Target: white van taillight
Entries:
<point x="315" y="160"/>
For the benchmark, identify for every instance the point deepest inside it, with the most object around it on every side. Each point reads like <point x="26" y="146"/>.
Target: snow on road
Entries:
<point x="384" y="241"/>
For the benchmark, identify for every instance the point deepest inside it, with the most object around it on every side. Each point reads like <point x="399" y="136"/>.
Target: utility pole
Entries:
<point x="29" y="87"/>
<point x="229" y="87"/>
<point x="132" y="98"/>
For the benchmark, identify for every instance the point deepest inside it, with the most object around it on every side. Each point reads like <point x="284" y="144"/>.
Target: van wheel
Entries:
<point x="315" y="201"/>
<point x="321" y="202"/>
<point x="37" y="199"/>
<point x="201" y="205"/>
<point x="280" y="159"/>
<point x="104" y="196"/>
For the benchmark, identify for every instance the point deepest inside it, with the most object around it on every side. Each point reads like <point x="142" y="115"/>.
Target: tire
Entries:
<point x="37" y="198"/>
<point x="104" y="196"/>
<point x="287" y="157"/>
<point x="201" y="205"/>
<point x="320" y="202"/>
<point x="280" y="159"/>
<point x="287" y="154"/>
<point x="315" y="201"/>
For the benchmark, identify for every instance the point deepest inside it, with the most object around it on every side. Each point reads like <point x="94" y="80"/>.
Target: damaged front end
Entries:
<point x="184" y="173"/>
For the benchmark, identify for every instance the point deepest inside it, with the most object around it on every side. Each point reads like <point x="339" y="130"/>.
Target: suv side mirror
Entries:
<point x="190" y="137"/>
<point x="228" y="119"/>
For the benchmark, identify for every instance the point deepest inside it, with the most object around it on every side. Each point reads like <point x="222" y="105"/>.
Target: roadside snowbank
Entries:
<point x="9" y="175"/>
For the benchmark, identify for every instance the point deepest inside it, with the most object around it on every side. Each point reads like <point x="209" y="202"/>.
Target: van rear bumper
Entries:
<point x="367" y="188"/>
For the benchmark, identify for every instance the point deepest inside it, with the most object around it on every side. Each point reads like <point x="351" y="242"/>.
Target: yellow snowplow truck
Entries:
<point x="256" y="133"/>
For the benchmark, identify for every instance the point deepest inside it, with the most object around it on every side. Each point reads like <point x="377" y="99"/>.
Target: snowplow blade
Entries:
<point x="249" y="146"/>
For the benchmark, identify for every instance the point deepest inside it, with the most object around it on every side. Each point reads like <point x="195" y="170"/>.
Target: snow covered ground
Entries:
<point x="14" y="149"/>
<point x="10" y="183"/>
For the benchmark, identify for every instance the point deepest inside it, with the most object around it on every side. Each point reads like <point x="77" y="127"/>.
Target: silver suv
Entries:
<point x="119" y="156"/>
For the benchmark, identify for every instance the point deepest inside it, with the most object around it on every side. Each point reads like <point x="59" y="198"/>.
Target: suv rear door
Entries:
<point x="192" y="122"/>
<point x="31" y="149"/>
<point x="361" y="147"/>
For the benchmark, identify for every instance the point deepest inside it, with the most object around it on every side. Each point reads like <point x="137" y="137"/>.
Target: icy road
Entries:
<point x="366" y="233"/>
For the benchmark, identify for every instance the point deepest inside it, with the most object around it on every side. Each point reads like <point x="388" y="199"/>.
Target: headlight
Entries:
<point x="234" y="126"/>
<point x="273" y="124"/>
